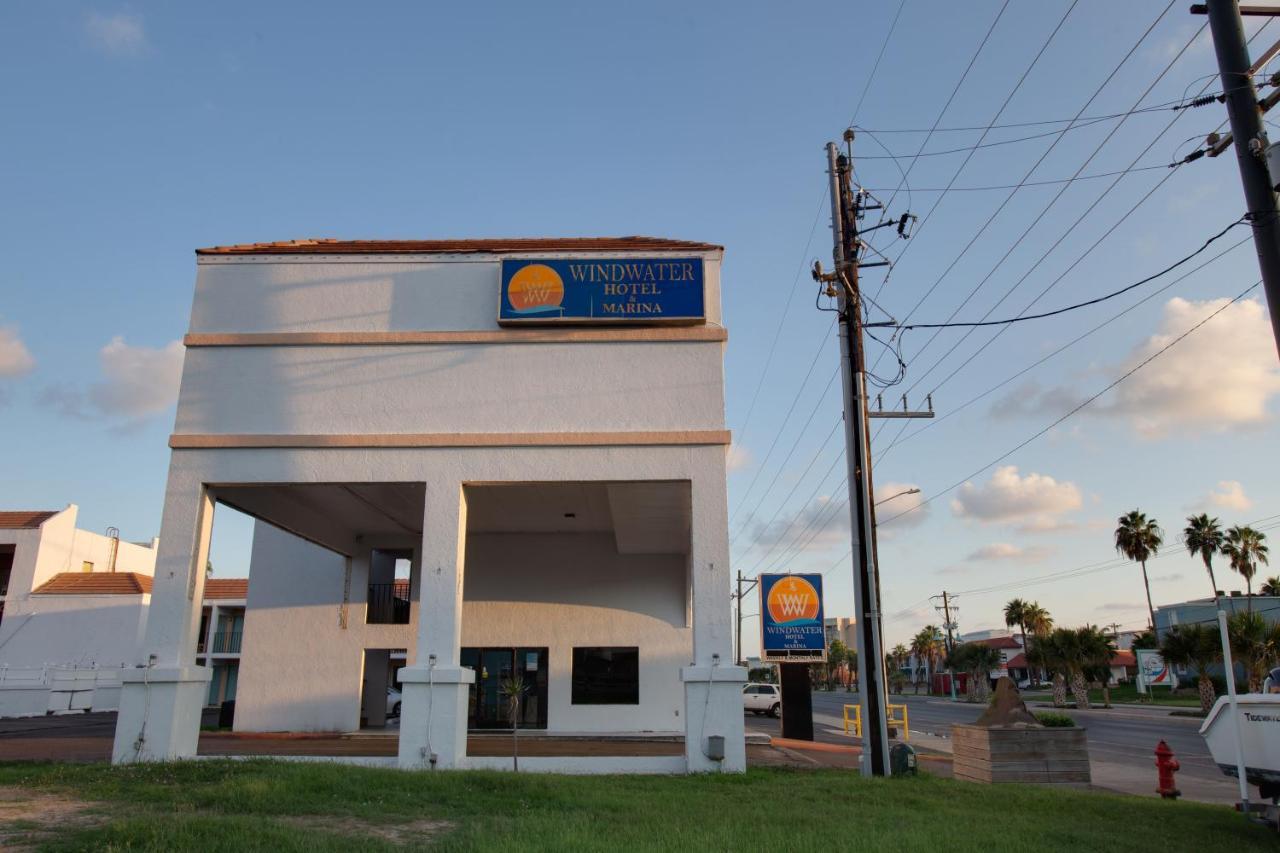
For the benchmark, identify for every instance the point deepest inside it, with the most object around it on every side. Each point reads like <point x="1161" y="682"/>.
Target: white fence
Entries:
<point x="29" y="691"/>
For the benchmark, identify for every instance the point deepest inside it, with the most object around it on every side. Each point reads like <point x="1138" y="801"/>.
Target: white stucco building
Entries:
<point x="488" y="457"/>
<point x="73" y="613"/>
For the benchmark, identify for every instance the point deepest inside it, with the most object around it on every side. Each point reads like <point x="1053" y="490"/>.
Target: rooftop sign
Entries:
<point x="587" y="291"/>
<point x="791" y="626"/>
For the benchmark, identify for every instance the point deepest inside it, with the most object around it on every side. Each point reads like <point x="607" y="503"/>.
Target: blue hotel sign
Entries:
<point x="791" y="619"/>
<point x="602" y="290"/>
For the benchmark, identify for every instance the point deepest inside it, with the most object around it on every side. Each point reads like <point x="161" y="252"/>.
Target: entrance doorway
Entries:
<point x="487" y="706"/>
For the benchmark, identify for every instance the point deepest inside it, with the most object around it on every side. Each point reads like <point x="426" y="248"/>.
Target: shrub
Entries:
<point x="1055" y="721"/>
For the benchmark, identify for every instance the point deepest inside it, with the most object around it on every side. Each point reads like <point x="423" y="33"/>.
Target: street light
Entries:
<point x="898" y="495"/>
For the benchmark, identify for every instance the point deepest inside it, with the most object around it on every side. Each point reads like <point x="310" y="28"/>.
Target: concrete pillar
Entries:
<point x="433" y="705"/>
<point x="161" y="701"/>
<point x="712" y="685"/>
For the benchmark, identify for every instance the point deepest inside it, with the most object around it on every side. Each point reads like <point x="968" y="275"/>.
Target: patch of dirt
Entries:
<point x="28" y="818"/>
<point x="414" y="832"/>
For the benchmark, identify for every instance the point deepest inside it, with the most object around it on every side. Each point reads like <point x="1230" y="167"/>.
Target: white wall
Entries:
<point x="562" y="591"/>
<point x="75" y="630"/>
<point x="301" y="671"/>
<point x="335" y="293"/>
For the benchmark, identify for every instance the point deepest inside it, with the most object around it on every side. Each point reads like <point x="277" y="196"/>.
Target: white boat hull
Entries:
<point x="1259" y="717"/>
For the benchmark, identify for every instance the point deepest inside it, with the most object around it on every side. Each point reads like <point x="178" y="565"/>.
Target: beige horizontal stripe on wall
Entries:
<point x="436" y="439"/>
<point x="503" y="336"/>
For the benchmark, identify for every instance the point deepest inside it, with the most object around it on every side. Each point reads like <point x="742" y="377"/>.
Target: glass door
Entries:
<point x="487" y="706"/>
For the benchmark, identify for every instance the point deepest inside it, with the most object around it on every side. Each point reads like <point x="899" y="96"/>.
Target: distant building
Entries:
<point x="840" y="628"/>
<point x="73" y="610"/>
<point x="1204" y="611"/>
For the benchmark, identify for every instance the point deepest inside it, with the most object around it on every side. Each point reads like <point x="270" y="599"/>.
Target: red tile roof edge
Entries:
<point x="226" y="588"/>
<point x="331" y="246"/>
<point x="95" y="583"/>
<point x="25" y="519"/>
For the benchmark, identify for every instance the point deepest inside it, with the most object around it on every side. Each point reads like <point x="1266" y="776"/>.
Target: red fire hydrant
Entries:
<point x="1166" y="766"/>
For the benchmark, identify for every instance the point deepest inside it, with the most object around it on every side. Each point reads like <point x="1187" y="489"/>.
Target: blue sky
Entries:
<point x="137" y="132"/>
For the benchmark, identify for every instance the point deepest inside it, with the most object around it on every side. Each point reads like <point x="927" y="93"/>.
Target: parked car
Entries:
<point x="762" y="699"/>
<point x="393" y="702"/>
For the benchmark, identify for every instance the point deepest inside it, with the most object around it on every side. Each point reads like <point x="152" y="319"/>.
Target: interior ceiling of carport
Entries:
<point x="645" y="517"/>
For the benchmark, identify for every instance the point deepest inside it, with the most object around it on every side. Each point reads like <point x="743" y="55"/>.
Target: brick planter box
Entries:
<point x="1049" y="756"/>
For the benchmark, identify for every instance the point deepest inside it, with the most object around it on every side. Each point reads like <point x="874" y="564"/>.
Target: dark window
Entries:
<point x="606" y="676"/>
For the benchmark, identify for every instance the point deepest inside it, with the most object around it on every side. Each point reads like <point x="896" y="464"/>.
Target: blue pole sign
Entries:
<point x="602" y="290"/>
<point x="791" y="622"/>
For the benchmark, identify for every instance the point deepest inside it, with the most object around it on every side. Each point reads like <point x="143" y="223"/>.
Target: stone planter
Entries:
<point x="1044" y="756"/>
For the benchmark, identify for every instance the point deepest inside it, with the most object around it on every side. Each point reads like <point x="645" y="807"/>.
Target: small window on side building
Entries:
<point x="86" y="566"/>
<point x="606" y="675"/>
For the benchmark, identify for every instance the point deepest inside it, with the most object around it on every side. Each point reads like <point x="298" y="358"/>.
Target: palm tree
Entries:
<point x="1050" y="654"/>
<point x="977" y="659"/>
<point x="1246" y="548"/>
<point x="1270" y="586"/>
<point x="1096" y="651"/>
<point x="1198" y="646"/>
<point x="1038" y="620"/>
<point x="1015" y="614"/>
<point x="1254" y="643"/>
<point x="512" y="688"/>
<point x="1139" y="538"/>
<point x="1203" y="536"/>
<point x="928" y="649"/>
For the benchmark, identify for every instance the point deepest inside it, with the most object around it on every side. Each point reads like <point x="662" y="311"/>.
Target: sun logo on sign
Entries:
<point x="793" y="601"/>
<point x="536" y="287"/>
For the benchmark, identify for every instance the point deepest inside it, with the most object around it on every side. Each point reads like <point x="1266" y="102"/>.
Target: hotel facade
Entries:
<point x="500" y="462"/>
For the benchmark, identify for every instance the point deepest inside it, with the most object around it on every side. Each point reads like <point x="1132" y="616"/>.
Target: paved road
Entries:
<point x="1122" y="741"/>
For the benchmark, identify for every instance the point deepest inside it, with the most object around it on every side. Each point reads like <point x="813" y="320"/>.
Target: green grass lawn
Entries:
<point x="264" y="805"/>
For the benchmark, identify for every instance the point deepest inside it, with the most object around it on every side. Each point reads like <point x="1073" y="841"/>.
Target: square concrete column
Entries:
<point x="161" y="700"/>
<point x="714" y="735"/>
<point x="433" y="702"/>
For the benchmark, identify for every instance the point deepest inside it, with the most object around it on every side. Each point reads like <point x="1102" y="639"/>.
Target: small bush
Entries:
<point x="1055" y="721"/>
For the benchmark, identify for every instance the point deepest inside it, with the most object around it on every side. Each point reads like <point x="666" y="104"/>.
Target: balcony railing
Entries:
<point x="388" y="604"/>
<point x="226" y="642"/>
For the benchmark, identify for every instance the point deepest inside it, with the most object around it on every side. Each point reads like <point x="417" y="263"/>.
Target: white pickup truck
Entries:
<point x="762" y="699"/>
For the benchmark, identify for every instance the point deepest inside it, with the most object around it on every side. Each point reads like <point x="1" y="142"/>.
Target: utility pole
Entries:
<point x="738" y="595"/>
<point x="1250" y="142"/>
<point x="843" y="283"/>
<point x="949" y="625"/>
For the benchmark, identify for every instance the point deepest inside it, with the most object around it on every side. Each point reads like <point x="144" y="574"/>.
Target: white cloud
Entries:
<point x="1035" y="498"/>
<point x="120" y="33"/>
<point x="1006" y="551"/>
<point x="1220" y="377"/>
<point x="739" y="457"/>
<point x="15" y="359"/>
<point x="1229" y="495"/>
<point x="137" y="382"/>
<point x="820" y="524"/>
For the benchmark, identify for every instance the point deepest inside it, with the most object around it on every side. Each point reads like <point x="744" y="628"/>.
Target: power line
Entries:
<point x="1112" y="295"/>
<point x="1027" y="176"/>
<point x="1106" y="233"/>
<point x="879" y="56"/>
<point x="768" y="361"/>
<point x="1044" y="183"/>
<point x="1076" y="409"/>
<point x="954" y="410"/>
<point x="955" y="90"/>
